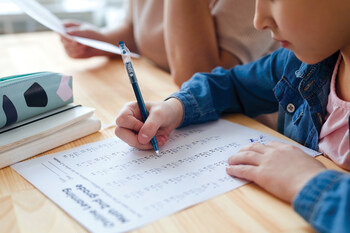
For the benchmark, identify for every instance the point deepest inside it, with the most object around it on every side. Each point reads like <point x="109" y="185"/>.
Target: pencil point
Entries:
<point x="157" y="152"/>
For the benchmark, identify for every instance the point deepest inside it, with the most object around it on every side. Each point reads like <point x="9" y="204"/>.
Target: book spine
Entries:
<point x="50" y="141"/>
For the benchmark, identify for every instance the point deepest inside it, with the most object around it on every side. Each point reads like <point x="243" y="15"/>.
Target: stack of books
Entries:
<point x="37" y="114"/>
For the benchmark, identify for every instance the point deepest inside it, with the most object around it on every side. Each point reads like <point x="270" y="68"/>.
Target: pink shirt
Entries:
<point x="334" y="136"/>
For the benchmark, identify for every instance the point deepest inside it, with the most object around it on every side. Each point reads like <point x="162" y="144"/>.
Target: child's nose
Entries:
<point x="262" y="18"/>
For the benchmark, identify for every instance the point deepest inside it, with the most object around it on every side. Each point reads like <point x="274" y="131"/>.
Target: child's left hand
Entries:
<point x="279" y="168"/>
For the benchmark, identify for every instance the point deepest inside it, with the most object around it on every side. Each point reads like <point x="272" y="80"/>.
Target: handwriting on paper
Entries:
<point x="109" y="186"/>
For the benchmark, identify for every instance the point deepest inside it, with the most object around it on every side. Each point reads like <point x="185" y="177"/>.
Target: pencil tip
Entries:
<point x="157" y="152"/>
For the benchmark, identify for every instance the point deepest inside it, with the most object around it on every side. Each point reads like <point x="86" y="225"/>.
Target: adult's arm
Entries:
<point x="191" y="40"/>
<point x="123" y="32"/>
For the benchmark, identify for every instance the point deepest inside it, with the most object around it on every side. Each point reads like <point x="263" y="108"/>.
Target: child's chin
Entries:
<point x="309" y="59"/>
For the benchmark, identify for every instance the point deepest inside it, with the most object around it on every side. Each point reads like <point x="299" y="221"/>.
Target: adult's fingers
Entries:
<point x="76" y="31"/>
<point x="69" y="23"/>
<point x="68" y="41"/>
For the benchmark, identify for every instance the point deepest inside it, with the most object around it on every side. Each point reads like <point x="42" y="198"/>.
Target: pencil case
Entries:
<point x="27" y="95"/>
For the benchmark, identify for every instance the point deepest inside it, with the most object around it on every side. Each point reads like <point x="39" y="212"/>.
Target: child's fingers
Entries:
<point x="130" y="138"/>
<point x="148" y="131"/>
<point x="245" y="157"/>
<point x="130" y="108"/>
<point x="276" y="144"/>
<point x="256" y="147"/>
<point x="161" y="139"/>
<point x="129" y="122"/>
<point x="151" y="126"/>
<point x="246" y="172"/>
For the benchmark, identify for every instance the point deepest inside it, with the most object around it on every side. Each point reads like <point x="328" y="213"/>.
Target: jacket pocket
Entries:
<point x="289" y="100"/>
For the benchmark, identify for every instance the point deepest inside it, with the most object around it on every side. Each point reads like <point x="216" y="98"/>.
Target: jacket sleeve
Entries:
<point x="246" y="89"/>
<point x="324" y="202"/>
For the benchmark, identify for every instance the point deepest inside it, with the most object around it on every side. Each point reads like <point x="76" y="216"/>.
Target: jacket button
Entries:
<point x="290" y="108"/>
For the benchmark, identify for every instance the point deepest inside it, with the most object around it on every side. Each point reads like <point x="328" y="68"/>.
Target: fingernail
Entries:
<point x="161" y="141"/>
<point x="144" y="138"/>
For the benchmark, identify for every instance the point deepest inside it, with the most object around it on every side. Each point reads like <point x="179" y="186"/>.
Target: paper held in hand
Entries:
<point x="46" y="18"/>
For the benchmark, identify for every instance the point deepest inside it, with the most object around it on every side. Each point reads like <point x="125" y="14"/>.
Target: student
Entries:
<point x="306" y="82"/>
<point x="182" y="36"/>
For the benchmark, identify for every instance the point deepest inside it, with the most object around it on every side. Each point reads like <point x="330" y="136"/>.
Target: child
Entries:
<point x="182" y="36"/>
<point x="305" y="82"/>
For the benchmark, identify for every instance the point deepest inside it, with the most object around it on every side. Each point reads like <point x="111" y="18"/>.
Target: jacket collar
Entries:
<point x="316" y="75"/>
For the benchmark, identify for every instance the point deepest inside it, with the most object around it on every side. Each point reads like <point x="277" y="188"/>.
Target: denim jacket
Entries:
<point x="277" y="82"/>
<point x="324" y="202"/>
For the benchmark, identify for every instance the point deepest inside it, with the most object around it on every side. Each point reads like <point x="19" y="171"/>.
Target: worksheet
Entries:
<point x="109" y="186"/>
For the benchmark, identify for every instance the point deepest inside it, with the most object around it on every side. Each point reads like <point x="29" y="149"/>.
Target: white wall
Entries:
<point x="97" y="12"/>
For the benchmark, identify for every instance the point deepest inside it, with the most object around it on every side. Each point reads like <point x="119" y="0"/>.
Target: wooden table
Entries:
<point x="102" y="83"/>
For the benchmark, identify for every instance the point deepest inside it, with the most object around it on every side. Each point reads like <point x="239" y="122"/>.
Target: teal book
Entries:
<point x="28" y="95"/>
<point x="37" y="114"/>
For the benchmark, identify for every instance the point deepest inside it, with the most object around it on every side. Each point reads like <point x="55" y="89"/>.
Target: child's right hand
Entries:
<point x="77" y="50"/>
<point x="163" y="118"/>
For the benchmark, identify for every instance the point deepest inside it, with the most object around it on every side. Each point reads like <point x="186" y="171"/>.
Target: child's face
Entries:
<point x="312" y="29"/>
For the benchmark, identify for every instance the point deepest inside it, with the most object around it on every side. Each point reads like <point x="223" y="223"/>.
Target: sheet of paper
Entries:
<point x="46" y="18"/>
<point x="109" y="186"/>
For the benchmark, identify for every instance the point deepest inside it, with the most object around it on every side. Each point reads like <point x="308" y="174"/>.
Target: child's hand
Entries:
<point x="77" y="50"/>
<point x="279" y="168"/>
<point x="163" y="118"/>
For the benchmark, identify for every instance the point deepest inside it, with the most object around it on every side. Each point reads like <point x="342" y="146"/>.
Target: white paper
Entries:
<point x="42" y="125"/>
<point x="109" y="186"/>
<point x="46" y="18"/>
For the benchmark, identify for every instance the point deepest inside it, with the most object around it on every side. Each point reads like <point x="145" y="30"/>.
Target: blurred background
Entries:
<point x="102" y="13"/>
